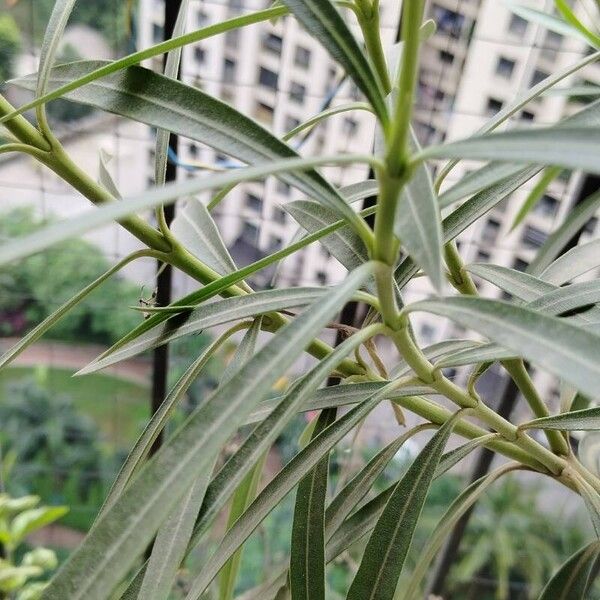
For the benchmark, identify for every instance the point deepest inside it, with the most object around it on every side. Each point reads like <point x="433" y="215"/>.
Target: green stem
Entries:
<point x="368" y="19"/>
<point x="516" y="369"/>
<point x="459" y="277"/>
<point x="397" y="155"/>
<point x="21" y="128"/>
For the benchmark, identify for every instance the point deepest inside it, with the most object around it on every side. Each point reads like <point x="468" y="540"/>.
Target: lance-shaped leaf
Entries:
<point x="208" y="315"/>
<point x="277" y="489"/>
<point x="114" y="211"/>
<point x="195" y="229"/>
<point x="307" y="555"/>
<point x="591" y="500"/>
<point x="569" y="16"/>
<point x="418" y="224"/>
<point x="112" y="545"/>
<point x="171" y="543"/>
<point x="452" y="458"/>
<point x="567" y="147"/>
<point x="572" y="580"/>
<point x="266" y="432"/>
<point x="578" y="420"/>
<point x="563" y="349"/>
<point x="478" y="180"/>
<point x="104" y="176"/>
<point x="571" y="264"/>
<point x="522" y="285"/>
<point x="455" y="511"/>
<point x="555" y="243"/>
<point x="388" y="545"/>
<point x="322" y="20"/>
<point x="344" y="244"/>
<point x="360" y="485"/>
<point x="568" y="298"/>
<point x="38" y="331"/>
<point x="340" y="395"/>
<point x="142" y="95"/>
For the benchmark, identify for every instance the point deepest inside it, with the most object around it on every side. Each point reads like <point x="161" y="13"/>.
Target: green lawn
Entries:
<point x="119" y="407"/>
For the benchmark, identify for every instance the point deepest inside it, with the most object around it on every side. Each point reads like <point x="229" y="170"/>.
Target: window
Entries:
<point x="275" y="243"/>
<point x="591" y="225"/>
<point x="552" y="43"/>
<point x="505" y="67"/>
<point x="533" y="237"/>
<point x="527" y="115"/>
<point x="547" y="206"/>
<point x="273" y="43"/>
<point x="264" y="112"/>
<point x="250" y="233"/>
<point x="157" y="33"/>
<point x="490" y="231"/>
<point x="448" y="21"/>
<point x="193" y="150"/>
<point x="229" y="68"/>
<point x="427" y="333"/>
<point x="201" y="18"/>
<point x="517" y="25"/>
<point x="199" y="54"/>
<point x="483" y="256"/>
<point x="283" y="188"/>
<point x="446" y="57"/>
<point x="291" y="123"/>
<point x="297" y="92"/>
<point x="493" y="106"/>
<point x="254" y="203"/>
<point x="268" y="78"/>
<point x="538" y="77"/>
<point x="302" y="57"/>
<point x="520" y="264"/>
<point x="279" y="215"/>
<point x="321" y="277"/>
<point x="350" y="126"/>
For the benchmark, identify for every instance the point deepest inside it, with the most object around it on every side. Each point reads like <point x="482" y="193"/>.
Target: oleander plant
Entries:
<point x="168" y="501"/>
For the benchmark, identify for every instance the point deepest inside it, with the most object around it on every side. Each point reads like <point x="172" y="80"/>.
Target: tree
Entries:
<point x="10" y="44"/>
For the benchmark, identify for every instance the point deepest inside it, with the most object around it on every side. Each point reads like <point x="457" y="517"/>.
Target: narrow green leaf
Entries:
<point x="246" y="491"/>
<point x="338" y="396"/>
<point x="171" y="70"/>
<point x="111" y="547"/>
<point x="208" y="315"/>
<point x="578" y="420"/>
<point x="52" y="36"/>
<point x="195" y="229"/>
<point x="478" y="354"/>
<point x="453" y="457"/>
<point x="146" y="53"/>
<point x="418" y="224"/>
<point x="38" y="331"/>
<point x="539" y="189"/>
<point x="567" y="147"/>
<point x="548" y="20"/>
<point x="104" y="177"/>
<point x="307" y="555"/>
<point x="142" y="95"/>
<point x="571" y="264"/>
<point x="344" y="244"/>
<point x="555" y="243"/>
<point x="158" y="421"/>
<point x="321" y="20"/>
<point x="572" y="580"/>
<point x="455" y="511"/>
<point x="570" y="17"/>
<point x="568" y="298"/>
<point x="243" y="496"/>
<point x="476" y="181"/>
<point x="435" y="352"/>
<point x="323" y="115"/>
<point x="388" y="545"/>
<point x="360" y="485"/>
<point x="530" y="334"/>
<point x="591" y="500"/>
<point x="278" y="487"/>
<point x="70" y="228"/>
<point x="33" y="519"/>
<point x="270" y="427"/>
<point x="171" y="543"/>
<point x="522" y="285"/>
